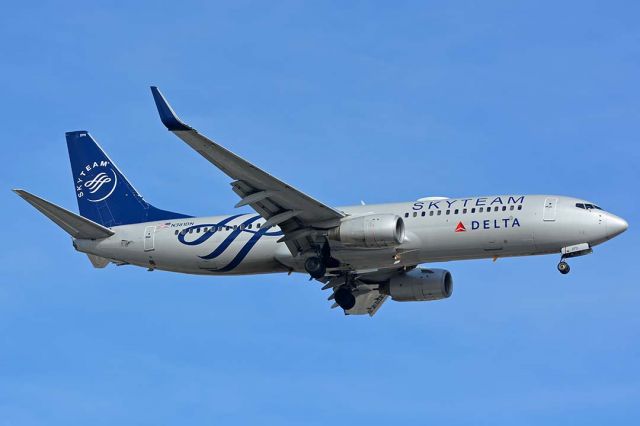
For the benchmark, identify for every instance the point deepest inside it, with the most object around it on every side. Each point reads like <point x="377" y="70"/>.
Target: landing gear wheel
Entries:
<point x="563" y="267"/>
<point x="315" y="267"/>
<point x="345" y="298"/>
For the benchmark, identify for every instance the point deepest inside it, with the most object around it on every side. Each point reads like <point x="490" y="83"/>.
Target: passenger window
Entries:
<point x="473" y="210"/>
<point x="480" y="210"/>
<point x="235" y="227"/>
<point x="176" y="232"/>
<point x="423" y="214"/>
<point x="448" y="211"/>
<point x="228" y="228"/>
<point x="249" y="227"/>
<point x="258" y="225"/>
<point x="439" y="212"/>
<point x="504" y="208"/>
<point x="191" y="231"/>
<point x="406" y="215"/>
<point x="455" y="211"/>
<point x="431" y="213"/>
<point x="511" y="207"/>
<point x="415" y="214"/>
<point x="520" y="207"/>
<point x="464" y="211"/>
<point x="496" y="209"/>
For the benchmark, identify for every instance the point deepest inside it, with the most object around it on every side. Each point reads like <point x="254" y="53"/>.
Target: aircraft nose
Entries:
<point x="616" y="225"/>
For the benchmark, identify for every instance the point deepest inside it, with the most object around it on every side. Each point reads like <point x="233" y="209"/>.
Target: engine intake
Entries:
<point x="420" y="285"/>
<point x="375" y="230"/>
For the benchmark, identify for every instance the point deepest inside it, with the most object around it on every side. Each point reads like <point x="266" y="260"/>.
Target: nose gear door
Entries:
<point x="549" y="212"/>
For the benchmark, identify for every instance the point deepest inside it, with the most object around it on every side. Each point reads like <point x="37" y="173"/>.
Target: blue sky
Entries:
<point x="379" y="101"/>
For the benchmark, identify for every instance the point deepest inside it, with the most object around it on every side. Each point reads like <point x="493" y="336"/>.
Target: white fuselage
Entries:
<point x="436" y="230"/>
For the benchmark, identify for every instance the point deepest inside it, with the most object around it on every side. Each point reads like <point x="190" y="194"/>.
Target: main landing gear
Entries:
<point x="317" y="265"/>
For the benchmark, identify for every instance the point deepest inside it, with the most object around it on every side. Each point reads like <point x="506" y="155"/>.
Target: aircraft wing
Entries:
<point x="300" y="217"/>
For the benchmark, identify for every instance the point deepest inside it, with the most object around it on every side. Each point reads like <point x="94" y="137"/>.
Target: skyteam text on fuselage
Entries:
<point x="364" y="254"/>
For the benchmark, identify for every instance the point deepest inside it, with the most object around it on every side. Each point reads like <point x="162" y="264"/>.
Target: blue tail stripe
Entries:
<point x="227" y="242"/>
<point x="244" y="251"/>
<point x="207" y="235"/>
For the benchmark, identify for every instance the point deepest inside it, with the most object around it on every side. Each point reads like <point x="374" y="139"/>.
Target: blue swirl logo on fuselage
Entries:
<point x="233" y="235"/>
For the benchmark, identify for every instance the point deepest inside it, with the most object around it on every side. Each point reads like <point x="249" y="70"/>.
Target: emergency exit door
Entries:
<point x="549" y="212"/>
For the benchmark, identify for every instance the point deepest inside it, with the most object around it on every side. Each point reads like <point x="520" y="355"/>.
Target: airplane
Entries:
<point x="365" y="254"/>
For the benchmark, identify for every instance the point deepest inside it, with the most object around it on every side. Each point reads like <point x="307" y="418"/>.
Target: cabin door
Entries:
<point x="549" y="212"/>
<point x="149" y="238"/>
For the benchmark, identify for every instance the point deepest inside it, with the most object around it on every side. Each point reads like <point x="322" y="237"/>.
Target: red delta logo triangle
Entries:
<point x="460" y="227"/>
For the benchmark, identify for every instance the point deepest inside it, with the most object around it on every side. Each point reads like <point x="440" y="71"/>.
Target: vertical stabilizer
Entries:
<point x="104" y="194"/>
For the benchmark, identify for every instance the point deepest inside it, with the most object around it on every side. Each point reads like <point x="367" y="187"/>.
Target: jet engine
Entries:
<point x="419" y="285"/>
<point x="374" y="230"/>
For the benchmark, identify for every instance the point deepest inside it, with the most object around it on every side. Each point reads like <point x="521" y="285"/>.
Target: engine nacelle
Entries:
<point x="420" y="285"/>
<point x="374" y="230"/>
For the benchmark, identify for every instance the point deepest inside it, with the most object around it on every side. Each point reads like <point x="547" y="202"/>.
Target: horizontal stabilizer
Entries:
<point x="74" y="225"/>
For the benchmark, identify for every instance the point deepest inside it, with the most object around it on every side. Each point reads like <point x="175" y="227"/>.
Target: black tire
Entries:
<point x="315" y="267"/>
<point x="345" y="298"/>
<point x="564" y="268"/>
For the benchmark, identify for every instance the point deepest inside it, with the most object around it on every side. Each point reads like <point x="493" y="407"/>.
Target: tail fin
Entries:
<point x="104" y="195"/>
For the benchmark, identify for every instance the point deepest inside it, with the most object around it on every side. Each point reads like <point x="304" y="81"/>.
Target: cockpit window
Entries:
<point x="587" y="206"/>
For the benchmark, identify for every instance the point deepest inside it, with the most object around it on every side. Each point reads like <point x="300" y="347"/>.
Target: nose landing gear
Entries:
<point x="563" y="267"/>
<point x="572" y="251"/>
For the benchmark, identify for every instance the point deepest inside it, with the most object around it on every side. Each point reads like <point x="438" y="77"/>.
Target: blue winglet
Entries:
<point x="168" y="117"/>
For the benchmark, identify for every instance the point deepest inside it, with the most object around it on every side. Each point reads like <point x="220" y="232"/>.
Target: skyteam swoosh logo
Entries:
<point x="226" y="243"/>
<point x="96" y="181"/>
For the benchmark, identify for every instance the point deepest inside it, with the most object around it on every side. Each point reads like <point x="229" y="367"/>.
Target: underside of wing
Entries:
<point x="368" y="290"/>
